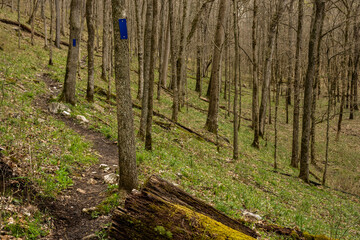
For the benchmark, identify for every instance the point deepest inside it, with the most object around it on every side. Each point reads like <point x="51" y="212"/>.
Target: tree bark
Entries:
<point x="126" y="139"/>
<point x="315" y="33"/>
<point x="68" y="94"/>
<point x="290" y="61"/>
<point x="236" y="80"/>
<point x="296" y="117"/>
<point x="90" y="47"/>
<point x="140" y="42"/>
<point x="180" y="215"/>
<point x="268" y="63"/>
<point x="147" y="62"/>
<point x="212" y="117"/>
<point x="154" y="33"/>
<point x="58" y="16"/>
<point x="255" y="81"/>
<point x="51" y="43"/>
<point x="106" y="41"/>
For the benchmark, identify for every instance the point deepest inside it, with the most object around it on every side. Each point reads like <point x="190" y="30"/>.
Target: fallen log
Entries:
<point x="27" y="29"/>
<point x="164" y="211"/>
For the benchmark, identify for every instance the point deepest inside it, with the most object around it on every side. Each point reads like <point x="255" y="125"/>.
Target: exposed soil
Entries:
<point x="88" y="189"/>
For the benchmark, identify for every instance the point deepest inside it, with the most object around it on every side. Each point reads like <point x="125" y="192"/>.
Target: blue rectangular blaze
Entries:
<point x="74" y="42"/>
<point x="123" y="29"/>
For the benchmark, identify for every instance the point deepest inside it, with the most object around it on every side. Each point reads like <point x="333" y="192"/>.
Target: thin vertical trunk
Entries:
<point x="316" y="26"/>
<point x="296" y="117"/>
<point x="236" y="81"/>
<point x="212" y="117"/>
<point x="290" y="61"/>
<point x="166" y="56"/>
<point x="147" y="62"/>
<point x="68" y="94"/>
<point x="198" y="62"/>
<point x="90" y="47"/>
<point x="57" y="36"/>
<point x="126" y="138"/>
<point x="51" y="43"/>
<point x="180" y="64"/>
<point x="154" y="33"/>
<point x="175" y="105"/>
<point x="161" y="48"/>
<point x="140" y="42"/>
<point x="33" y="22"/>
<point x="255" y="81"/>
<point x="19" y="27"/>
<point x="277" y="84"/>
<point x="43" y="16"/>
<point x="105" y="41"/>
<point x="344" y="80"/>
<point x="268" y="63"/>
<point x="62" y="22"/>
<point x="355" y="67"/>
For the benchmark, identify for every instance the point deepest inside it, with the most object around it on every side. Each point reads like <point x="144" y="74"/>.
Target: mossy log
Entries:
<point x="164" y="211"/>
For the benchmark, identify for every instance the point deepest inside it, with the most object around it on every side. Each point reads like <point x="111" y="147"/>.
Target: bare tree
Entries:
<point x="90" y="47"/>
<point x="296" y="117"/>
<point x="212" y="117"/>
<point x="68" y="93"/>
<point x="315" y="37"/>
<point x="126" y="138"/>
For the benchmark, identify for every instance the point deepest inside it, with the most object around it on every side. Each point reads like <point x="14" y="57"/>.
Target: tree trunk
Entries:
<point x="43" y="16"/>
<point x="105" y="41"/>
<point x="126" y="138"/>
<point x="165" y="60"/>
<point x="18" y="19"/>
<point x="62" y="18"/>
<point x="175" y="108"/>
<point x="140" y="42"/>
<point x="90" y="47"/>
<point x="268" y="63"/>
<point x="163" y="211"/>
<point x="154" y="33"/>
<point x="147" y="65"/>
<point x="296" y="117"/>
<point x="255" y="92"/>
<point x="68" y="94"/>
<point x="236" y="80"/>
<point x="315" y="33"/>
<point x="161" y="47"/>
<point x="290" y="61"/>
<point x="51" y="43"/>
<point x="58" y="16"/>
<point x="212" y="117"/>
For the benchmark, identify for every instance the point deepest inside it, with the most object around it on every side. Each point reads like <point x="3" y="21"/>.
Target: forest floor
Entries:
<point x="59" y="156"/>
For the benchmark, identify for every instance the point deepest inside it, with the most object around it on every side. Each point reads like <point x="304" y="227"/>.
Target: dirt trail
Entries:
<point x="88" y="190"/>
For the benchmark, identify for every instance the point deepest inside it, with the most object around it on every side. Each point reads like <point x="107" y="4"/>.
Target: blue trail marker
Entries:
<point x="123" y="29"/>
<point x="74" y="42"/>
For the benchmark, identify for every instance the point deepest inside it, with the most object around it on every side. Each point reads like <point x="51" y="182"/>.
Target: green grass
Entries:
<point x="183" y="158"/>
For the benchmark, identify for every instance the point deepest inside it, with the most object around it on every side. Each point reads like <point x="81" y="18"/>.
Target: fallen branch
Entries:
<point x="27" y="29"/>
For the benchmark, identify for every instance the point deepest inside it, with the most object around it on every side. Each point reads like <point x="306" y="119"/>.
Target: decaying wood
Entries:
<point x="164" y="211"/>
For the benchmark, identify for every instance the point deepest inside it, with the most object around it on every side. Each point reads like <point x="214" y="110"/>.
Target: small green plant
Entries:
<point x="162" y="231"/>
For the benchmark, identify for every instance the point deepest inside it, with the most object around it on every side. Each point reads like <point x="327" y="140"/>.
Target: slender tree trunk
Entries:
<point x="236" y="80"/>
<point x="175" y="105"/>
<point x="268" y="63"/>
<point x="90" y="47"/>
<point x="58" y="16"/>
<point x="296" y="117"/>
<point x="344" y="80"/>
<point x="126" y="138"/>
<point x="147" y="62"/>
<point x="51" y="43"/>
<point x="161" y="48"/>
<point x="180" y="64"/>
<point x="290" y="61"/>
<point x="32" y="24"/>
<point x="68" y="94"/>
<point x="19" y="28"/>
<point x="355" y="67"/>
<point x="140" y="42"/>
<point x="43" y="16"/>
<point x="317" y="21"/>
<point x="212" y="117"/>
<point x="198" y="62"/>
<point x="154" y="33"/>
<point x="105" y="41"/>
<point x="255" y="92"/>
<point x="166" y="56"/>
